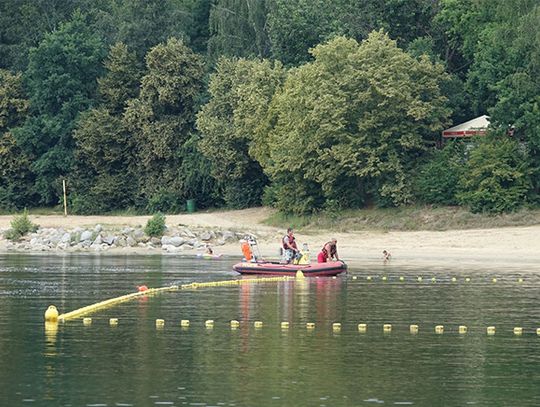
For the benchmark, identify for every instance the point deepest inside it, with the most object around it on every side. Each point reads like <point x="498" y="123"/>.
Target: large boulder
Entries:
<point x="85" y="236"/>
<point x="131" y="242"/>
<point x="176" y="241"/>
<point x="121" y="241"/>
<point x="229" y="236"/>
<point x="109" y="239"/>
<point x="207" y="236"/>
<point x="139" y="236"/>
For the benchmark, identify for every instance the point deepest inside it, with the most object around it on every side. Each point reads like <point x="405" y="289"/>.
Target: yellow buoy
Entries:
<point x="439" y="329"/>
<point x="354" y="277"/>
<point x="310" y="325"/>
<point x="433" y="279"/>
<point x="258" y="324"/>
<point x="51" y="329"/>
<point x="494" y="280"/>
<point x="538" y="331"/>
<point x="520" y="280"/>
<point x="184" y="323"/>
<point x="87" y="321"/>
<point x="454" y="279"/>
<point x="299" y="274"/>
<point x="209" y="323"/>
<point x="160" y="323"/>
<point x="51" y="314"/>
<point x="413" y="329"/>
<point x="462" y="329"/>
<point x="334" y="277"/>
<point x="284" y="325"/>
<point x="113" y="321"/>
<point x="490" y="330"/>
<point x="419" y="278"/>
<point x="387" y="327"/>
<point x="336" y="326"/>
<point x="362" y="328"/>
<point x="368" y="278"/>
<point x="401" y="278"/>
<point x="235" y="324"/>
<point x="383" y="278"/>
<point x="467" y="279"/>
<point x="518" y="330"/>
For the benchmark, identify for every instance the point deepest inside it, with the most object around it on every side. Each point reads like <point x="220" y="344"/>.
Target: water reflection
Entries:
<point x="136" y="364"/>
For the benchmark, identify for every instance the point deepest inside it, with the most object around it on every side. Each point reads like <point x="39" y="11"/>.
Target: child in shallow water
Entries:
<point x="386" y="255"/>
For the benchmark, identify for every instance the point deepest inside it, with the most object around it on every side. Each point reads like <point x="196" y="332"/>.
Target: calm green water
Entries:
<point x="135" y="364"/>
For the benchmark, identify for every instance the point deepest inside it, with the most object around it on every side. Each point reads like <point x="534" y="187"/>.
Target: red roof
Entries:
<point x="474" y="127"/>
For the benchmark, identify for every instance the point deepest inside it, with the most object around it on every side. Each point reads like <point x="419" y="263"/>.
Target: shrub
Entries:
<point x="20" y="226"/>
<point x="496" y="177"/>
<point x="156" y="225"/>
<point x="438" y="179"/>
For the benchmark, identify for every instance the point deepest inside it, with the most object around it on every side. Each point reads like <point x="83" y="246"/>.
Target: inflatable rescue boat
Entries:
<point x="254" y="264"/>
<point x="331" y="268"/>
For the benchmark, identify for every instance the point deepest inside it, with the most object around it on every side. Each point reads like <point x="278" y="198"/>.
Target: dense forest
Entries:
<point x="305" y="105"/>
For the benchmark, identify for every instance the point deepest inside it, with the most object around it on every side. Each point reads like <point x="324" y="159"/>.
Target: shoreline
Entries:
<point x="511" y="247"/>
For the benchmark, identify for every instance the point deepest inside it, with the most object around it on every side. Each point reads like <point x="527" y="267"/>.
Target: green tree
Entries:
<point x="61" y="82"/>
<point x="238" y="28"/>
<point x="162" y="117"/>
<point x="142" y="24"/>
<point x="15" y="176"/>
<point x="104" y="177"/>
<point x="438" y="179"/>
<point x="122" y="78"/>
<point x="355" y="121"/>
<point x="496" y="177"/>
<point x="232" y="139"/>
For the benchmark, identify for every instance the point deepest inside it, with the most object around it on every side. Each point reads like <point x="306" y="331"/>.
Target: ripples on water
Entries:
<point x="134" y="364"/>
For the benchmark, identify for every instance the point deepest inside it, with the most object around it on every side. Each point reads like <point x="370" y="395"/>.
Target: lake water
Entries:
<point x="135" y="364"/>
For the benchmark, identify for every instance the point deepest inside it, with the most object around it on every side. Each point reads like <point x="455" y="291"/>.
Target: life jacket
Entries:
<point x="333" y="250"/>
<point x="292" y="242"/>
<point x="246" y="251"/>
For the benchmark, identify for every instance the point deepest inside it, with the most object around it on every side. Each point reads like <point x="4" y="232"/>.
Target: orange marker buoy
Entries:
<point x="142" y="288"/>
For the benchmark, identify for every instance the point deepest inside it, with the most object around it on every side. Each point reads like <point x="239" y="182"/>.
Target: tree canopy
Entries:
<point x="305" y="105"/>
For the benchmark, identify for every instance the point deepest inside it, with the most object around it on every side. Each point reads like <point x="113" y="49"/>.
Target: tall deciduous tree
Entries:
<point x="15" y="175"/>
<point x="238" y="28"/>
<point x="61" y="82"/>
<point x="104" y="174"/>
<point x="241" y="91"/>
<point x="162" y="118"/>
<point x="496" y="177"/>
<point x="355" y="120"/>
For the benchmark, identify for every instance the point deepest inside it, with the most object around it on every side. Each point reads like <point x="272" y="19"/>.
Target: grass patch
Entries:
<point x="404" y="219"/>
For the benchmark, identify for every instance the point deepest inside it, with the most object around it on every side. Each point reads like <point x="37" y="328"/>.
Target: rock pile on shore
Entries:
<point x="96" y="239"/>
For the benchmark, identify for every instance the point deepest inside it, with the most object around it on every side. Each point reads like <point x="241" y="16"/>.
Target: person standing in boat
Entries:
<point x="329" y="251"/>
<point x="290" y="249"/>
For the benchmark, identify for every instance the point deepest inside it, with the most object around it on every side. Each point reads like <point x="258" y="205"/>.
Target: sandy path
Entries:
<point x="513" y="247"/>
<point x="246" y="218"/>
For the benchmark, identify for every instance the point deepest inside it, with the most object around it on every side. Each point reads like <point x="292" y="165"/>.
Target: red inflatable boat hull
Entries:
<point x="276" y="269"/>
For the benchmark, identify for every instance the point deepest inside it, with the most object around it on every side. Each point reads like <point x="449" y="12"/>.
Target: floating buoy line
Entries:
<point x="52" y="317"/>
<point x="420" y="279"/>
<point x="336" y="327"/>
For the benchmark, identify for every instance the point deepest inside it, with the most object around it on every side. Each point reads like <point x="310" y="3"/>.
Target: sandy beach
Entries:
<point x="513" y="247"/>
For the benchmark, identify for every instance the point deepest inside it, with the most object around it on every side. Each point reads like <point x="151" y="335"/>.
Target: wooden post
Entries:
<point x="65" y="197"/>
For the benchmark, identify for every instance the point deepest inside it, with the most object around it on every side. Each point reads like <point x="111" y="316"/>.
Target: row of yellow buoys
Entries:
<point x="336" y="326"/>
<point x="52" y="315"/>
<point x="432" y="279"/>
